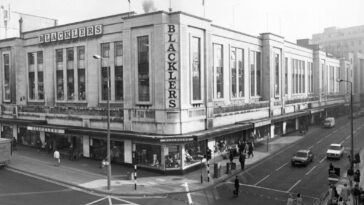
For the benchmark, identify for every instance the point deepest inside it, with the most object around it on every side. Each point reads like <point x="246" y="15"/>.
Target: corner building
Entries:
<point x="179" y="84"/>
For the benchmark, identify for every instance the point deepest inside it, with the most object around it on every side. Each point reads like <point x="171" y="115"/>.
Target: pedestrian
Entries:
<point x="357" y="176"/>
<point x="70" y="152"/>
<point x="356" y="194"/>
<point x="242" y="160"/>
<point x="237" y="184"/>
<point x="331" y="167"/>
<point x="299" y="200"/>
<point x="250" y="149"/>
<point x="231" y="156"/>
<point x="361" y="196"/>
<point x="345" y="192"/>
<point x="13" y="143"/>
<point x="57" y="158"/>
<point x="290" y="200"/>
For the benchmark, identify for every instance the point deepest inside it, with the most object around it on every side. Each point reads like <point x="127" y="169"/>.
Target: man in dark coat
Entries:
<point x="242" y="160"/>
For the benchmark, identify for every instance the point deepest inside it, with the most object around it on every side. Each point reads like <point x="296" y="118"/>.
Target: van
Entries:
<point x="329" y="122"/>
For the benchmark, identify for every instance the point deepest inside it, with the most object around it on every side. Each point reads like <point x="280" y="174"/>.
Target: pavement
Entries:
<point x="86" y="173"/>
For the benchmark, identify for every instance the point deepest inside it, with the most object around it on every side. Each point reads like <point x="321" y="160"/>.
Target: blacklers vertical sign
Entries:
<point x="172" y="66"/>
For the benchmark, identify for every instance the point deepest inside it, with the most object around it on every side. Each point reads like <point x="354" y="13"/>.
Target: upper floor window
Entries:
<point x="276" y="74"/>
<point x="237" y="72"/>
<point x="105" y="50"/>
<point x="6" y="73"/>
<point x="143" y="69"/>
<point x="219" y="71"/>
<point x="286" y="76"/>
<point x="255" y="73"/>
<point x="118" y="48"/>
<point x="196" y="68"/>
<point x="35" y="76"/>
<point x="81" y="72"/>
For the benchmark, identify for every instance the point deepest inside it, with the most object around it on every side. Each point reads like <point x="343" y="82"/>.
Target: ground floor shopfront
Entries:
<point x="169" y="154"/>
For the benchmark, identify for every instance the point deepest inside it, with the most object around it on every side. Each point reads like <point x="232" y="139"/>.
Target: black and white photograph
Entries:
<point x="181" y="102"/>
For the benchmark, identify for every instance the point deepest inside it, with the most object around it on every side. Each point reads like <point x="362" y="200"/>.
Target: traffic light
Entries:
<point x="208" y="154"/>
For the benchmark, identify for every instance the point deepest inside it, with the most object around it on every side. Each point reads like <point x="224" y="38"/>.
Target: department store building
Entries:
<point x="179" y="84"/>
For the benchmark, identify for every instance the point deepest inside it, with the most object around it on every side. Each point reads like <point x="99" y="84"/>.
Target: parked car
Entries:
<point x="335" y="151"/>
<point x="329" y="122"/>
<point x="302" y="157"/>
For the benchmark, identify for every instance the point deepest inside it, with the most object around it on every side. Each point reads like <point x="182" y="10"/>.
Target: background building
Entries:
<point x="346" y="43"/>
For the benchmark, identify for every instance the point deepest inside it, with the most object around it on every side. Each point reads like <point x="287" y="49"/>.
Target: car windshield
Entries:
<point x="334" y="147"/>
<point x="301" y="154"/>
<point x="327" y="121"/>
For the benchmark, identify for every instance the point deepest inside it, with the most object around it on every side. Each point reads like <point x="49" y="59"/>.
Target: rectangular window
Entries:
<point x="40" y="75"/>
<point x="219" y="71"/>
<point x="252" y="73"/>
<point x="118" y="48"/>
<point x="277" y="65"/>
<point x="143" y="69"/>
<point x="81" y="72"/>
<point x="31" y="86"/>
<point x="303" y="77"/>
<point x="196" y="68"/>
<point x="233" y="72"/>
<point x="240" y="64"/>
<point x="81" y="84"/>
<point x="119" y="86"/>
<point x="293" y="75"/>
<point x="299" y="74"/>
<point x="258" y="59"/>
<point x="105" y="50"/>
<point x="31" y="78"/>
<point x="286" y="75"/>
<point x="296" y="74"/>
<point x="104" y="82"/>
<point x="70" y="74"/>
<point x="60" y="89"/>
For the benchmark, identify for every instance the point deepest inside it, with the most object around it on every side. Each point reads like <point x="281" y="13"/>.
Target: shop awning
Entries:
<point x="19" y="121"/>
<point x="229" y="129"/>
<point x="289" y="116"/>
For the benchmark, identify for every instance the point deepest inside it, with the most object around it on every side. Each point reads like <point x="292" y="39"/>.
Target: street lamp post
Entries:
<point x="108" y="125"/>
<point x="352" y="123"/>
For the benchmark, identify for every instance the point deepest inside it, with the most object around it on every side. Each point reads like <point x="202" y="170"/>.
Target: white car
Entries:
<point x="335" y="151"/>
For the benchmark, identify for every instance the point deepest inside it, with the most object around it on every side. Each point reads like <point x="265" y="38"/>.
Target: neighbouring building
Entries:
<point x="179" y="85"/>
<point x="347" y="43"/>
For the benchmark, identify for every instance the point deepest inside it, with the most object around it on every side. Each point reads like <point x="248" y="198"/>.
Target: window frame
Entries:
<point x="150" y="40"/>
<point x="3" y="73"/>
<point x="215" y="70"/>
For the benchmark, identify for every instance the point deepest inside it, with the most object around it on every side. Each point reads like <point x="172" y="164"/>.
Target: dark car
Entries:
<point x="302" y="157"/>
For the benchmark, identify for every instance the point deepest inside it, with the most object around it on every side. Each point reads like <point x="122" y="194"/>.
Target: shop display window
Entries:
<point x="194" y="152"/>
<point x="173" y="157"/>
<point x="148" y="155"/>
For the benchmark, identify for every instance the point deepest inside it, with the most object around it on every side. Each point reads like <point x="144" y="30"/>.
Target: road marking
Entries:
<point x="310" y="147"/>
<point x="271" y="189"/>
<point x="310" y="170"/>
<point x="262" y="180"/>
<point x="188" y="193"/>
<point x="347" y="137"/>
<point x="319" y="141"/>
<point x="334" y="131"/>
<point x="322" y="159"/>
<point x="282" y="166"/>
<point x="35" y="192"/>
<point x="289" y="190"/>
<point x="108" y="198"/>
<point x="342" y="142"/>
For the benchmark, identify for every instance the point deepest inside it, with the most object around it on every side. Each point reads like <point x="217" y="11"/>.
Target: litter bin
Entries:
<point x="227" y="168"/>
<point x="217" y="170"/>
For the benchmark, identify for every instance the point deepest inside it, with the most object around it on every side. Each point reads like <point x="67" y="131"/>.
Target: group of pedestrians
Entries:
<point x="245" y="148"/>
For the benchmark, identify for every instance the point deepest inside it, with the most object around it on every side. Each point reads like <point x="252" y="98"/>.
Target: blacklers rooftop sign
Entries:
<point x="71" y="34"/>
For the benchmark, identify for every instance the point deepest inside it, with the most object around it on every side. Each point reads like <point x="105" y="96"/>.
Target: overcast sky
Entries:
<point x="292" y="19"/>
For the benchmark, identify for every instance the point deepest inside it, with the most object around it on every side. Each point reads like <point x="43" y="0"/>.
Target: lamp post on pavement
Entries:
<point x="352" y="122"/>
<point x="108" y="124"/>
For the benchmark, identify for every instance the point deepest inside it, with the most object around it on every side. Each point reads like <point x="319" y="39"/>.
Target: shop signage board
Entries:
<point x="46" y="129"/>
<point x="262" y="123"/>
<point x="172" y="65"/>
<point x="71" y="34"/>
<point x="177" y="139"/>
